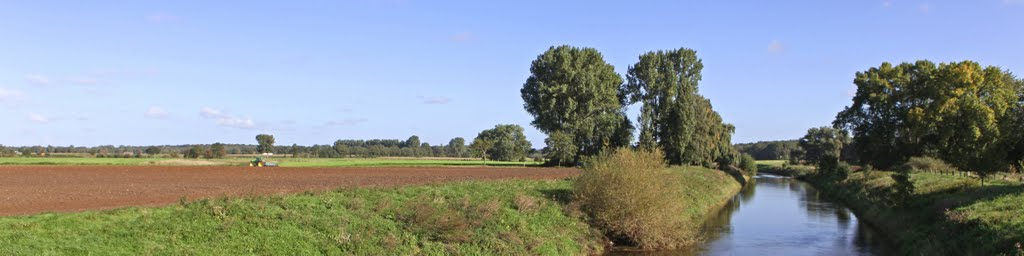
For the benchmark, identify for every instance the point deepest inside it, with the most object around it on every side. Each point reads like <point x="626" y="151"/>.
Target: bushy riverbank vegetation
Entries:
<point x="944" y="215"/>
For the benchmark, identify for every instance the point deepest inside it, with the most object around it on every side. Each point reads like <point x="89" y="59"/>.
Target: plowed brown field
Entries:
<point x="34" y="189"/>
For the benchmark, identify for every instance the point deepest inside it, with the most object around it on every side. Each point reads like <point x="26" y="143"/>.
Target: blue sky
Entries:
<point x="311" y="72"/>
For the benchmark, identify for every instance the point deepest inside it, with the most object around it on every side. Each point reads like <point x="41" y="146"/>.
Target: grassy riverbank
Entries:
<point x="516" y="217"/>
<point x="946" y="215"/>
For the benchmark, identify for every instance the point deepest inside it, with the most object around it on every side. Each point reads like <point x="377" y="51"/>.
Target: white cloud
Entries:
<point x="347" y="122"/>
<point x="38" y="80"/>
<point x="462" y="37"/>
<point x="162" y="17"/>
<point x="1012" y="2"/>
<point x="226" y="120"/>
<point x="10" y="94"/>
<point x="35" y="117"/>
<point x="209" y="112"/>
<point x="156" y="112"/>
<point x="240" y="123"/>
<point x="887" y="3"/>
<point x="435" y="100"/>
<point x="776" y="47"/>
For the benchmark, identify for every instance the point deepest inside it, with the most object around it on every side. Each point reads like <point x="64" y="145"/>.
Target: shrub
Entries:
<point x="832" y="169"/>
<point x="634" y="199"/>
<point x="902" y="189"/>
<point x="927" y="164"/>
<point x="747" y="163"/>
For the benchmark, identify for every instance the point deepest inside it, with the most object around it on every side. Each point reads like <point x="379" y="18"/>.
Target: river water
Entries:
<point x="776" y="215"/>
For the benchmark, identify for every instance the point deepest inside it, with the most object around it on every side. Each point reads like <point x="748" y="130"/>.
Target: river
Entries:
<point x="776" y="215"/>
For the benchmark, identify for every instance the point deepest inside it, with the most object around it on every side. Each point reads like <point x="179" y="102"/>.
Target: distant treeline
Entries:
<point x="769" y="150"/>
<point x="411" y="147"/>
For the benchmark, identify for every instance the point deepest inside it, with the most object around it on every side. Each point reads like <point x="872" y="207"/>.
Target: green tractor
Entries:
<point x="259" y="162"/>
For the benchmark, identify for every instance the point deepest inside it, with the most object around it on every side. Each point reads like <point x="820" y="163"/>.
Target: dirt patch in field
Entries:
<point x="35" y="189"/>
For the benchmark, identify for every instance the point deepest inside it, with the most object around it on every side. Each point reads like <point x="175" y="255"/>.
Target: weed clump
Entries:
<point x="927" y="164"/>
<point x="632" y="197"/>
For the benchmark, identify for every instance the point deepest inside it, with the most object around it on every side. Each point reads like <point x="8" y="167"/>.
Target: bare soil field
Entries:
<point x="35" y="189"/>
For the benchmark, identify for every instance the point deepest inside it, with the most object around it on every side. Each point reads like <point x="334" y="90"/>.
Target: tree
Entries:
<point x="456" y="147"/>
<point x="295" y="150"/>
<point x="218" y="151"/>
<point x="195" y="151"/>
<point x="674" y="117"/>
<point x="413" y="141"/>
<point x="481" y="147"/>
<point x="508" y="142"/>
<point x="574" y="91"/>
<point x="959" y="112"/>
<point x="152" y="150"/>
<point x="265" y="143"/>
<point x="561" y="150"/>
<point x="823" y="143"/>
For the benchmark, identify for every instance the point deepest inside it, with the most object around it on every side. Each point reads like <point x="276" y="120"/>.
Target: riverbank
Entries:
<point x="512" y="217"/>
<point x="946" y="215"/>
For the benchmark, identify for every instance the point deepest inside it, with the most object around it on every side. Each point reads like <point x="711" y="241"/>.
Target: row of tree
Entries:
<point x="768" y="150"/>
<point x="962" y="113"/>
<point x="579" y="101"/>
<point x="967" y="115"/>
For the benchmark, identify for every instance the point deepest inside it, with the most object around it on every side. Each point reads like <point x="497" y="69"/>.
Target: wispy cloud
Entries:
<point x="925" y="8"/>
<point x="434" y="100"/>
<point x="462" y="37"/>
<point x="156" y="112"/>
<point x="347" y="122"/>
<point x="887" y="3"/>
<point x="7" y="95"/>
<point x="776" y="47"/>
<point x="38" y="80"/>
<point x="222" y="119"/>
<point x="1013" y="2"/>
<point x="162" y="18"/>
<point x="37" y="118"/>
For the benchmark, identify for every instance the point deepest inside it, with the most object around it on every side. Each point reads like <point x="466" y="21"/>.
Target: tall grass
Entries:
<point x="632" y="197"/>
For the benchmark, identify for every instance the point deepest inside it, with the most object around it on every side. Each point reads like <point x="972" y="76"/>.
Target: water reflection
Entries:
<point x="775" y="215"/>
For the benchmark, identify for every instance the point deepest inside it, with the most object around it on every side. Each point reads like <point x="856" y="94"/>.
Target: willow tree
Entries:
<point x="960" y="112"/>
<point x="673" y="115"/>
<point x="573" y="91"/>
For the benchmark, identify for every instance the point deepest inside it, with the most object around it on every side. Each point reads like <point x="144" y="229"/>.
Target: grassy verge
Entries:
<point x="946" y="215"/>
<point x="517" y="217"/>
<point x="507" y="218"/>
<point x="285" y="162"/>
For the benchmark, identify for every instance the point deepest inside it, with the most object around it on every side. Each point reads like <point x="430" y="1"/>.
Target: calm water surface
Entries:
<point x="776" y="215"/>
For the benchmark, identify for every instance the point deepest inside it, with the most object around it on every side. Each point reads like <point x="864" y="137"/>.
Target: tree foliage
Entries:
<point x="768" y="150"/>
<point x="674" y="116"/>
<point x="574" y="91"/>
<point x="561" y="150"/>
<point x="823" y="143"/>
<point x="265" y="143"/>
<point x="217" y="150"/>
<point x="960" y="112"/>
<point x="152" y="150"/>
<point x="503" y="143"/>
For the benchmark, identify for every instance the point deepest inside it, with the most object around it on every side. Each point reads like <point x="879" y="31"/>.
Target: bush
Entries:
<point x="634" y="199"/>
<point x="747" y="163"/>
<point x="902" y="189"/>
<point x="927" y="164"/>
<point x="832" y="169"/>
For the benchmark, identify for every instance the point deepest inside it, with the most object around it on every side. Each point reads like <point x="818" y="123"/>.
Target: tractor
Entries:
<point x="259" y="162"/>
